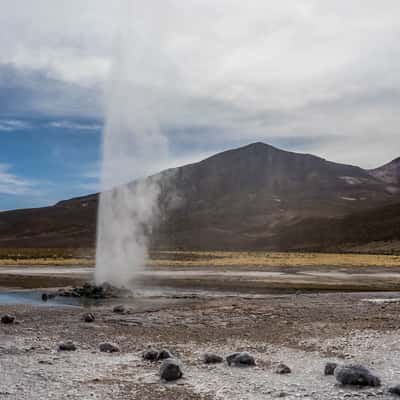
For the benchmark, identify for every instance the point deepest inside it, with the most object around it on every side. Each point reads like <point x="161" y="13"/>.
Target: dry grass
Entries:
<point x="272" y="259"/>
<point x="44" y="256"/>
<point x="202" y="258"/>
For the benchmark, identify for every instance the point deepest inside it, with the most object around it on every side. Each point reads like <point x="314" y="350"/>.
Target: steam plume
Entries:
<point x="132" y="141"/>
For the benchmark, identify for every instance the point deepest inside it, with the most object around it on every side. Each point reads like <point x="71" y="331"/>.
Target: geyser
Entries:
<point x="133" y="144"/>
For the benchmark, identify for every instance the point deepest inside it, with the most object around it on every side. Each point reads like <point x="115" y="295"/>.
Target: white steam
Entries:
<point x="132" y="144"/>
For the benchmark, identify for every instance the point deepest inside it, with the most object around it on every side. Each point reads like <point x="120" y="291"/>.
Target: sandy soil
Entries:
<point x="301" y="316"/>
<point x="304" y="331"/>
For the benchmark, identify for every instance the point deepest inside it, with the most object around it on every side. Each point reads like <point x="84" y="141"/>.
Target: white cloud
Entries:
<point x="327" y="71"/>
<point x="75" y="125"/>
<point x="10" y="125"/>
<point x="12" y="184"/>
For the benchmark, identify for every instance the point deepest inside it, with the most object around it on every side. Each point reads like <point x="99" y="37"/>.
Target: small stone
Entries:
<point x="88" y="317"/>
<point x="45" y="362"/>
<point x="150" y="355"/>
<point x="395" y="390"/>
<point x="212" y="358"/>
<point x="330" y="368"/>
<point x="108" y="347"/>
<point x="243" y="359"/>
<point x="120" y="309"/>
<point x="171" y="370"/>
<point x="7" y="319"/>
<point x="231" y="357"/>
<point x="164" y="354"/>
<point x="67" y="346"/>
<point x="283" y="369"/>
<point x="356" y="375"/>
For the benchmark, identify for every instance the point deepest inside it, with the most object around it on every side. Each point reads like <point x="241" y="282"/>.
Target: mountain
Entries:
<point x="70" y="223"/>
<point x="389" y="173"/>
<point x="242" y="198"/>
<point x="376" y="230"/>
<point x="253" y="197"/>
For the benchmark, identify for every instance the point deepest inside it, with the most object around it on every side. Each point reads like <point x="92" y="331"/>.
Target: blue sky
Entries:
<point x="49" y="160"/>
<point x="308" y="76"/>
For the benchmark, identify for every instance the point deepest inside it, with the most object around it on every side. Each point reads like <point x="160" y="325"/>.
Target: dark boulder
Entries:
<point x="282" y="369"/>
<point x="243" y="359"/>
<point x="212" y="358"/>
<point x="171" y="370"/>
<point x="67" y="346"/>
<point x="108" y="347"/>
<point x="395" y="390"/>
<point x="164" y="354"/>
<point x="330" y="368"/>
<point x="7" y="319"/>
<point x="231" y="357"/>
<point x="150" y="355"/>
<point x="356" y="375"/>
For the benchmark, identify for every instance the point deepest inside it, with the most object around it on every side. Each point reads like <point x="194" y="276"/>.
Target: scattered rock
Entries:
<point x="356" y="375"/>
<point x="330" y="368"/>
<point x="171" y="370"/>
<point x="282" y="369"/>
<point x="67" y="346"/>
<point x="7" y="319"/>
<point x="164" y="354"/>
<point x="243" y="359"/>
<point x="212" y="358"/>
<point x="108" y="347"/>
<point x="120" y="309"/>
<point x="395" y="390"/>
<point x="45" y="362"/>
<point x="88" y="317"/>
<point x="150" y="355"/>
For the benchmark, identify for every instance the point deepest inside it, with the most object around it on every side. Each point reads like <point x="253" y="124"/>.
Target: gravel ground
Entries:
<point x="303" y="331"/>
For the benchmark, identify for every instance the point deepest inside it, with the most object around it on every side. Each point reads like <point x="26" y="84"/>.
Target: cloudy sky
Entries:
<point x="306" y="75"/>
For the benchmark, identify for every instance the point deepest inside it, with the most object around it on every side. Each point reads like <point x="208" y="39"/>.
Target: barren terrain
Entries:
<point x="292" y="309"/>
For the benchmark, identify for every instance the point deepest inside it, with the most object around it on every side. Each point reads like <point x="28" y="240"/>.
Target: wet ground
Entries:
<point x="302" y="329"/>
<point x="245" y="278"/>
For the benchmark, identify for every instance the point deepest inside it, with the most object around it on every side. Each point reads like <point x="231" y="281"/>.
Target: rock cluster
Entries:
<point x="156" y="355"/>
<point x="91" y="291"/>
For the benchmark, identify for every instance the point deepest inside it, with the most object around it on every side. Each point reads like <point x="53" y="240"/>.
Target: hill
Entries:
<point x="253" y="197"/>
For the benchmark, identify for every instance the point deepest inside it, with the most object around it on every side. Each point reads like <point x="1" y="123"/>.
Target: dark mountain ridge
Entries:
<point x="253" y="197"/>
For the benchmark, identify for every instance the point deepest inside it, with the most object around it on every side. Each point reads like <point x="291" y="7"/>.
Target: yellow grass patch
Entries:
<point x="272" y="259"/>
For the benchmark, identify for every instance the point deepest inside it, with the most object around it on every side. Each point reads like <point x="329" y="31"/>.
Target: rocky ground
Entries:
<point x="303" y="331"/>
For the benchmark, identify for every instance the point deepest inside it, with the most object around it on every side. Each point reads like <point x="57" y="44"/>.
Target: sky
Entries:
<point x="307" y="76"/>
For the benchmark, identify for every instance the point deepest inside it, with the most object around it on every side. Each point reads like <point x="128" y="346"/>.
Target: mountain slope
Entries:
<point x="371" y="230"/>
<point x="246" y="198"/>
<point x="389" y="173"/>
